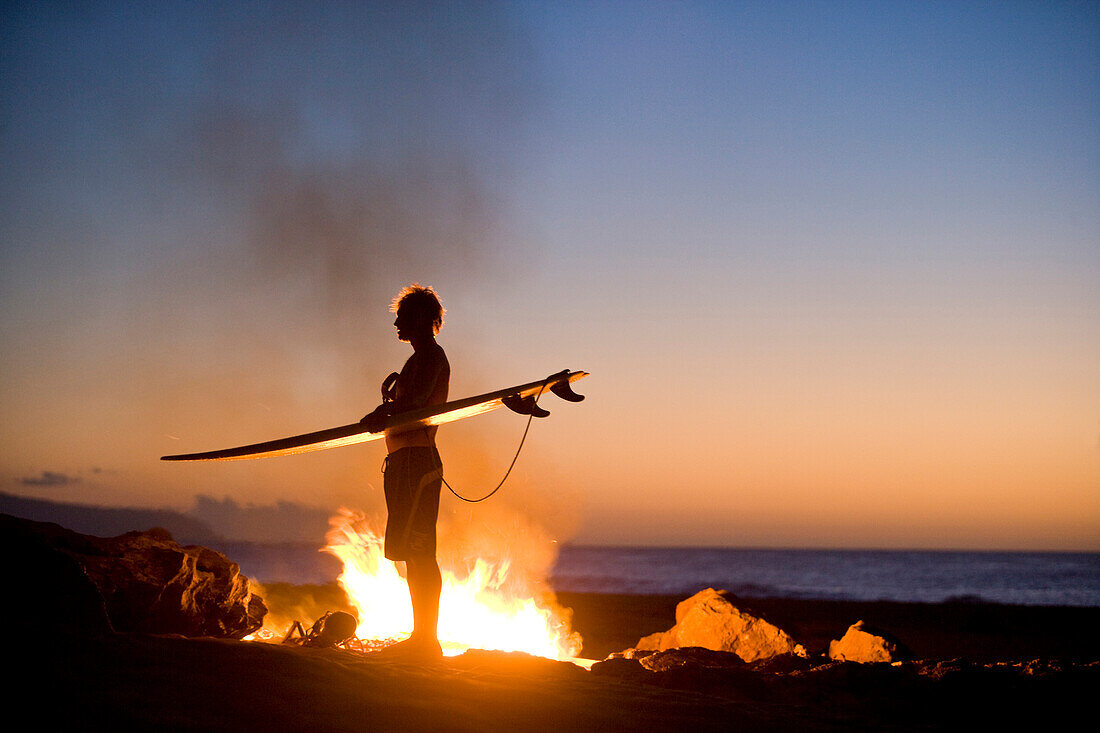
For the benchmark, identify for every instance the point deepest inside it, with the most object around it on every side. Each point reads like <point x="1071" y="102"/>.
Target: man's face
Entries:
<point x="406" y="325"/>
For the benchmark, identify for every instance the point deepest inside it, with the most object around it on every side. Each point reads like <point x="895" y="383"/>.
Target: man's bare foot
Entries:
<point x="413" y="649"/>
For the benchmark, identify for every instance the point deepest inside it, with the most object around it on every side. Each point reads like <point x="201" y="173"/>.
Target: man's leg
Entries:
<point x="425" y="585"/>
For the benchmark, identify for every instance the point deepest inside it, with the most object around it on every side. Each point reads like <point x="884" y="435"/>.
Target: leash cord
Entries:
<point x="510" y="465"/>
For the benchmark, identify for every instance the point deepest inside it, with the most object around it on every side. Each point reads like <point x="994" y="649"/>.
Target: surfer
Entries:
<point x="413" y="471"/>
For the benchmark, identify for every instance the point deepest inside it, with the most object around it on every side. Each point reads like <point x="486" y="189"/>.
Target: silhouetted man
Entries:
<point x="413" y="471"/>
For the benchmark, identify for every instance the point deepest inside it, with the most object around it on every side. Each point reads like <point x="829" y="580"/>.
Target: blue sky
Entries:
<point x="833" y="266"/>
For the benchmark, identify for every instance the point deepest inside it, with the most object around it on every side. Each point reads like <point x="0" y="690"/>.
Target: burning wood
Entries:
<point x="335" y="628"/>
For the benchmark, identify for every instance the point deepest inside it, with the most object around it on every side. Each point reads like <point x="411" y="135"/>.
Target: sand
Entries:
<point x="132" y="681"/>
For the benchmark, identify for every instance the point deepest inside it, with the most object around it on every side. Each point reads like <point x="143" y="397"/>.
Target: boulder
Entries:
<point x="710" y="620"/>
<point x="621" y="668"/>
<point x="138" y="581"/>
<point x="864" y="644"/>
<point x="690" y="656"/>
<point x="703" y="671"/>
<point x="45" y="590"/>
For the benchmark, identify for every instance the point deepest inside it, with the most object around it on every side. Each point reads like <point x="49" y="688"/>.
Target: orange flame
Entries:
<point x="477" y="609"/>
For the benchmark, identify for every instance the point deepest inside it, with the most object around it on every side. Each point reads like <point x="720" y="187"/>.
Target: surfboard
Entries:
<point x="522" y="398"/>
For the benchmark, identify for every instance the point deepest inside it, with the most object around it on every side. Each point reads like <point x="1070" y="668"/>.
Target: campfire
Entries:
<point x="484" y="605"/>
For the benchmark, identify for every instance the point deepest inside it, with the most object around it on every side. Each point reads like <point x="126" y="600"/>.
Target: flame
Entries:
<point x="479" y="608"/>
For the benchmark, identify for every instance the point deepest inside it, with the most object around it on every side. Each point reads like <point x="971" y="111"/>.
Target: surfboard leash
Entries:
<point x="530" y="417"/>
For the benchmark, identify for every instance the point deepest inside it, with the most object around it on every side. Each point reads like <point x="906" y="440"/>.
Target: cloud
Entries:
<point x="49" y="478"/>
<point x="318" y="172"/>
<point x="282" y="522"/>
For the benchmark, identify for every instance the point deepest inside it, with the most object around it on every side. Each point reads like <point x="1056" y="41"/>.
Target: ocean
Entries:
<point x="1022" y="578"/>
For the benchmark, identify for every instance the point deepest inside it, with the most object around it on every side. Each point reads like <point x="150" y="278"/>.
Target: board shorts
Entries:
<point x="412" y="479"/>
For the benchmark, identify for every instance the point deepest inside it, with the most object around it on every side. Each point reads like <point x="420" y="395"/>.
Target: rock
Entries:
<point x="864" y="644"/>
<point x="703" y="671"/>
<point x="143" y="581"/>
<point x="332" y="629"/>
<point x="620" y="667"/>
<point x="710" y="620"/>
<point x="150" y="583"/>
<point x="633" y="653"/>
<point x="690" y="656"/>
<point x="44" y="589"/>
<point x="785" y="664"/>
<point x="944" y="669"/>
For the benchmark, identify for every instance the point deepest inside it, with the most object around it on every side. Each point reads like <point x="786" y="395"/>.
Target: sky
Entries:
<point x="833" y="266"/>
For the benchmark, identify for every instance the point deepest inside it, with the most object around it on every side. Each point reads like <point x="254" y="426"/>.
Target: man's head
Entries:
<point x="418" y="309"/>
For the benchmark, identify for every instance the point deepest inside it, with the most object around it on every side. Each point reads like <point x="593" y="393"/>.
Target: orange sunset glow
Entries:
<point x="834" y="275"/>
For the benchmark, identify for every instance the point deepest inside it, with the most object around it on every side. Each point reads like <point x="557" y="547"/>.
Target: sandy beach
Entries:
<point x="982" y="664"/>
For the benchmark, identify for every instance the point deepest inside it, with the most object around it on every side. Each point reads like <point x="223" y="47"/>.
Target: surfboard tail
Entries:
<point x="558" y="383"/>
<point x="524" y="406"/>
<point x="564" y="390"/>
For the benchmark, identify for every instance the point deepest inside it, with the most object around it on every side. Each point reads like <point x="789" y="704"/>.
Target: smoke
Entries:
<point x="206" y="211"/>
<point x="347" y="153"/>
<point x="502" y="536"/>
<point x="288" y="603"/>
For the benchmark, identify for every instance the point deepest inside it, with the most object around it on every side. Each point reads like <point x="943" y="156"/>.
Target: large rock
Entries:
<point x="45" y="590"/>
<point x="710" y="620"/>
<point x="864" y="644"/>
<point x="140" y="581"/>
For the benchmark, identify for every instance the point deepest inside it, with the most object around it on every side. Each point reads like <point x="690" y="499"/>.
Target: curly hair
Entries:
<point x="421" y="301"/>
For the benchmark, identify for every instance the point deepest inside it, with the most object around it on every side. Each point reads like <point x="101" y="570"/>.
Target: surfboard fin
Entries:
<point x="524" y="406"/>
<point x="563" y="389"/>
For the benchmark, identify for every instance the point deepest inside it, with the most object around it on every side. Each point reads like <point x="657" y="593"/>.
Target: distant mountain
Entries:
<point x="282" y="521"/>
<point x="110" y="522"/>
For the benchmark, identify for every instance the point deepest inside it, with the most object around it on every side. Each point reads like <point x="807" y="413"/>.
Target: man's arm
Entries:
<point x="375" y="420"/>
<point x="414" y="389"/>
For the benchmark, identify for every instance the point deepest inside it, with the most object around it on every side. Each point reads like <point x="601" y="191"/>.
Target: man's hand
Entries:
<point x="389" y="387"/>
<point x="376" y="420"/>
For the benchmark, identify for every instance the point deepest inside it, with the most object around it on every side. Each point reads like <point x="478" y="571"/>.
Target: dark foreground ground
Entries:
<point x="124" y="682"/>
